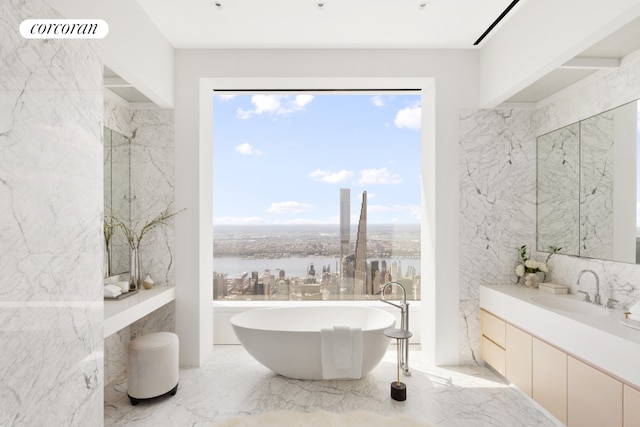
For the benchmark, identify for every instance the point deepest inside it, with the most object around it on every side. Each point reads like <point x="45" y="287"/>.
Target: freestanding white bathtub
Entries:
<point x="287" y="339"/>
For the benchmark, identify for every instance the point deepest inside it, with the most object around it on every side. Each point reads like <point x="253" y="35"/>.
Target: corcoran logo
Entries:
<point x="64" y="28"/>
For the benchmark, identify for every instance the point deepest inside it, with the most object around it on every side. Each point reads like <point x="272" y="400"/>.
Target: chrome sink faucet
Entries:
<point x="596" y="296"/>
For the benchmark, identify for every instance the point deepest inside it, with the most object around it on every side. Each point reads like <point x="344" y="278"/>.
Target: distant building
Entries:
<point x="345" y="229"/>
<point x="361" y="284"/>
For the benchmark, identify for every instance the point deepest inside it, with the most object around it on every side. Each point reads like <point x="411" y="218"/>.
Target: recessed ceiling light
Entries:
<point x="321" y="5"/>
<point x="423" y="5"/>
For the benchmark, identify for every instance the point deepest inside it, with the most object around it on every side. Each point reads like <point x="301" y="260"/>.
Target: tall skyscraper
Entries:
<point x="362" y="285"/>
<point x="345" y="229"/>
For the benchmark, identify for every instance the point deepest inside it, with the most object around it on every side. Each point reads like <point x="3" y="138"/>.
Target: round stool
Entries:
<point x="152" y="366"/>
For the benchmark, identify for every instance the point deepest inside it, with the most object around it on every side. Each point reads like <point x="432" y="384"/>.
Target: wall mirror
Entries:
<point x="117" y="192"/>
<point x="588" y="187"/>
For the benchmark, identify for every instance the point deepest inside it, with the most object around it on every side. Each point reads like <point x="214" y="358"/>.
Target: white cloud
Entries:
<point x="275" y="105"/>
<point x="331" y="177"/>
<point x="289" y="207"/>
<point x="266" y="103"/>
<point x="378" y="176"/>
<point x="248" y="150"/>
<point x="409" y="118"/>
<point x="302" y="100"/>
<point x="225" y="220"/>
<point x="377" y="101"/>
<point x="226" y="97"/>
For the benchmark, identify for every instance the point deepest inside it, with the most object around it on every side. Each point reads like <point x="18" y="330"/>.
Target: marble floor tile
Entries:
<point x="232" y="383"/>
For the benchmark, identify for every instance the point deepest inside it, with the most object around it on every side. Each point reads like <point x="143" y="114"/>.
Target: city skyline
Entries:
<point x="282" y="159"/>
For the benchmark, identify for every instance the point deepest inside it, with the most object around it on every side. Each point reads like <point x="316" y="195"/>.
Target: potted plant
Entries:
<point x="533" y="271"/>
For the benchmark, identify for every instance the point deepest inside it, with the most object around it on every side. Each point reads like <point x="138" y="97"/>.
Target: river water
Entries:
<point x="294" y="267"/>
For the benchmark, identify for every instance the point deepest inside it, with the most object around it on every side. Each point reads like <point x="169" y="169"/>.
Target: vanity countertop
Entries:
<point x="600" y="340"/>
<point x="119" y="314"/>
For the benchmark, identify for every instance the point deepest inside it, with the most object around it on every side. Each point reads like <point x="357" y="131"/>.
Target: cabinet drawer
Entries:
<point x="493" y="354"/>
<point x="493" y="328"/>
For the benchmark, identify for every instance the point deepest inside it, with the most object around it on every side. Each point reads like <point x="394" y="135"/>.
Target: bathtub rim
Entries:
<point x="325" y="306"/>
<point x="223" y="310"/>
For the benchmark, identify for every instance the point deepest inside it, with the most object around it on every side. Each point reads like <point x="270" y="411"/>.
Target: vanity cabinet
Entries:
<point x="492" y="343"/>
<point x="576" y="393"/>
<point x="549" y="378"/>
<point x="631" y="406"/>
<point x="518" y="358"/>
<point x="594" y="399"/>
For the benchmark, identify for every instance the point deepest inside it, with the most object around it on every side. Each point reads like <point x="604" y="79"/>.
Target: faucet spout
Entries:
<point x="403" y="302"/>
<point x="596" y="296"/>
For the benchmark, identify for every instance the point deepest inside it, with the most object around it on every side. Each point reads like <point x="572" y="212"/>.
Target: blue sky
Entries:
<point x="282" y="159"/>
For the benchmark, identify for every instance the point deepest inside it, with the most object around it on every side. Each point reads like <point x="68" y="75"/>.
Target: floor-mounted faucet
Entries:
<point x="596" y="296"/>
<point x="404" y="323"/>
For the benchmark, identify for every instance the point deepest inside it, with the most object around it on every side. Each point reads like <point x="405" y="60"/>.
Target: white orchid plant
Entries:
<point x="528" y="265"/>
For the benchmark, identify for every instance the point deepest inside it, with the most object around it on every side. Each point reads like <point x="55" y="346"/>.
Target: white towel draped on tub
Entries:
<point x="341" y="352"/>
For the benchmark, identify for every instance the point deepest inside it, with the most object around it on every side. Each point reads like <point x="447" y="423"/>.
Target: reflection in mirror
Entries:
<point x="558" y="188"/>
<point x="587" y="186"/>
<point x="116" y="199"/>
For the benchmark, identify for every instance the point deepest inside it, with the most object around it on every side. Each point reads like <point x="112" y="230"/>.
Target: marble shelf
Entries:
<point x="120" y="314"/>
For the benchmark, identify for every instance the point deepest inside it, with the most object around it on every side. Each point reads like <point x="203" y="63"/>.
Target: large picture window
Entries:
<point x="315" y="196"/>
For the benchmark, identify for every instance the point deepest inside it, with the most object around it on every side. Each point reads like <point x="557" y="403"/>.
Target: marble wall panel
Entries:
<point x="152" y="188"/>
<point x="117" y="114"/>
<point x="115" y="355"/>
<point x="51" y="251"/>
<point x="497" y="207"/>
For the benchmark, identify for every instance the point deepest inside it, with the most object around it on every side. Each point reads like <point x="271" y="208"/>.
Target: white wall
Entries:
<point x="134" y="48"/>
<point x="624" y="183"/>
<point x="455" y="87"/>
<point x="541" y="35"/>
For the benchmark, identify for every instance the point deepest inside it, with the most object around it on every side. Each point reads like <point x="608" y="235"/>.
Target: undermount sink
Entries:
<point x="569" y="305"/>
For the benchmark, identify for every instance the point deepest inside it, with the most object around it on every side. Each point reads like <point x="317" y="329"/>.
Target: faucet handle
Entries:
<point x="586" y="296"/>
<point x="610" y="302"/>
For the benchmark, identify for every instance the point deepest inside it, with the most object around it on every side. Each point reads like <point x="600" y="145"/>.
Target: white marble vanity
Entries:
<point x="120" y="314"/>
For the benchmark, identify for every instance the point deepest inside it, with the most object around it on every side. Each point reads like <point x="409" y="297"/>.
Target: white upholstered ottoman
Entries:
<point x="152" y="366"/>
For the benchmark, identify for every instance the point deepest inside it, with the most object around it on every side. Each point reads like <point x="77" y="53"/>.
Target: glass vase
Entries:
<point x="134" y="270"/>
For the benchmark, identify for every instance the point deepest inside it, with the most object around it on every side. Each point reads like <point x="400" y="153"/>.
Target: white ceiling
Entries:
<point x="323" y="23"/>
<point x="362" y="24"/>
<point x="614" y="47"/>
